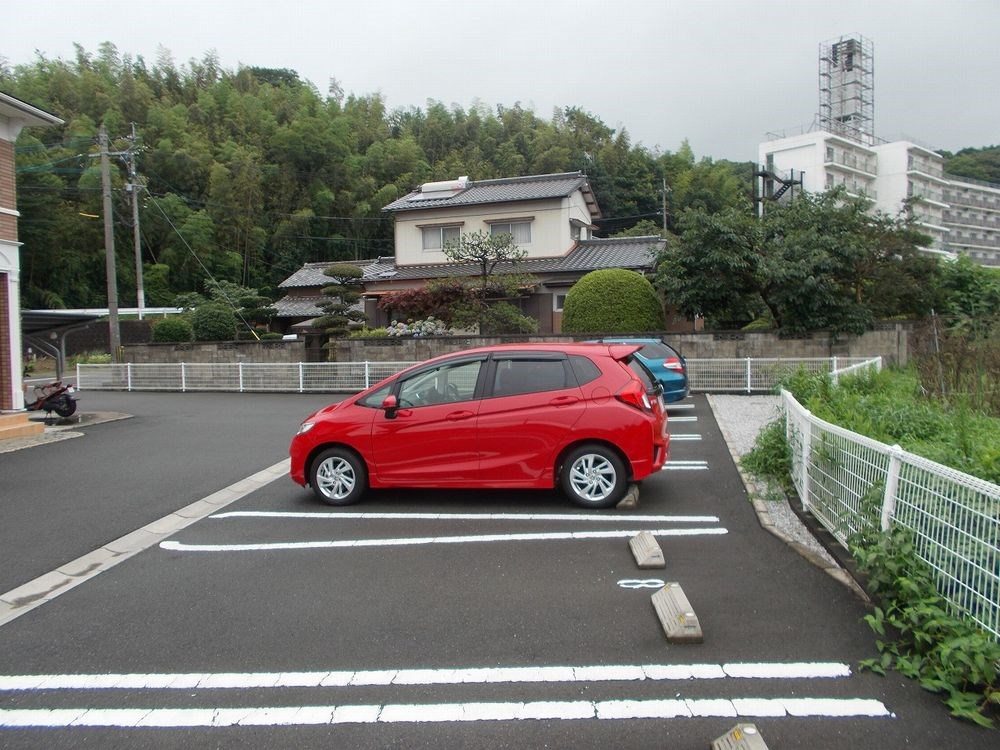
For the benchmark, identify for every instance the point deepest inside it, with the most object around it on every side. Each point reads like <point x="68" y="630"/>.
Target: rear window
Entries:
<point x="643" y="374"/>
<point x="657" y="351"/>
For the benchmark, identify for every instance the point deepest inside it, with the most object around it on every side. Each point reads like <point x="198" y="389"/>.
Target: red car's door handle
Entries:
<point x="458" y="416"/>
<point x="563" y="401"/>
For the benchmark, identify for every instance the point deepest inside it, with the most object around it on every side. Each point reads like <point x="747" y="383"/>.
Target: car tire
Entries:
<point x="338" y="476"/>
<point x="594" y="476"/>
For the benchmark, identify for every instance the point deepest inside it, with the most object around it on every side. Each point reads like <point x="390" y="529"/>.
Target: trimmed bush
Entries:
<point x="612" y="300"/>
<point x="505" y="318"/>
<point x="213" y="322"/>
<point x="172" y="330"/>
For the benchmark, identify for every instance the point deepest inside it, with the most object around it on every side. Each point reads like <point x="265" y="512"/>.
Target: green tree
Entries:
<point x="213" y="322"/>
<point x="487" y="252"/>
<point x="817" y="261"/>
<point x="174" y="329"/>
<point x="612" y="300"/>
<point x="344" y="294"/>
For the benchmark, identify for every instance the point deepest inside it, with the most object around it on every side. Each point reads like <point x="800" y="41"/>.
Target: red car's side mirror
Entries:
<point x="390" y="405"/>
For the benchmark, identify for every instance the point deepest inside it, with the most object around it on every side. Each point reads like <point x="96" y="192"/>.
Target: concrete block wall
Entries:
<point x="891" y="341"/>
<point x="267" y="352"/>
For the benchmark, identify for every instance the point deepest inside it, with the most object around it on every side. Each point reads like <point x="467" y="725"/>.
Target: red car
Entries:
<point x="588" y="417"/>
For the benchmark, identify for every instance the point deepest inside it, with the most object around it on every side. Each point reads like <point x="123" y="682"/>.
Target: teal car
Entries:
<point x="666" y="364"/>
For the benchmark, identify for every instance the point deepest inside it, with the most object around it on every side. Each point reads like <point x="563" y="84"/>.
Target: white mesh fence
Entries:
<point x="760" y="375"/>
<point x="243" y="377"/>
<point x="853" y="484"/>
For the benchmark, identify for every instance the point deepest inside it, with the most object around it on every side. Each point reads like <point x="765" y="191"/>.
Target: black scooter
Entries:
<point x="54" y="397"/>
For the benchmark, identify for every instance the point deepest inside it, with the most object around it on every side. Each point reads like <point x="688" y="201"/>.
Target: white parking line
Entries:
<point x="411" y="541"/>
<point x="683" y="419"/>
<point x="443" y="712"/>
<point x="683" y="436"/>
<point x="685" y="466"/>
<point x="369" y="516"/>
<point x="424" y="677"/>
<point x="674" y="407"/>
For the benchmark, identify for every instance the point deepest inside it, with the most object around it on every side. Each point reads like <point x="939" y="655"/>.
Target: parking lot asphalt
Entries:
<point x="416" y="618"/>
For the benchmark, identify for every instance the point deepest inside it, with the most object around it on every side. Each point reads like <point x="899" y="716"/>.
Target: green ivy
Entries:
<point x="921" y="637"/>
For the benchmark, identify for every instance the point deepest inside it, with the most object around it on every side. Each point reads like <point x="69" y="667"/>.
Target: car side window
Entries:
<point x="374" y="399"/>
<point x="516" y="376"/>
<point x="584" y="369"/>
<point x="446" y="384"/>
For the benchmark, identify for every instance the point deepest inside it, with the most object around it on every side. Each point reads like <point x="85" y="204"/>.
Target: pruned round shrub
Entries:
<point x="505" y="318"/>
<point x="213" y="322"/>
<point x="612" y="300"/>
<point x="172" y="330"/>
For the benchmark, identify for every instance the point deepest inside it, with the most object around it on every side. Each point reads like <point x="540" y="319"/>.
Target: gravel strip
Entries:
<point x="741" y="418"/>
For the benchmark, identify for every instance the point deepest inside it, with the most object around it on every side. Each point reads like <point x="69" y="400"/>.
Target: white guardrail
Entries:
<point x="742" y="375"/>
<point x="853" y="484"/>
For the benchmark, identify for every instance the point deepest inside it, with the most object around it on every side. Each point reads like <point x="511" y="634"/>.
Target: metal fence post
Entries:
<point x="749" y="376"/>
<point x="78" y="376"/>
<point x="240" y="366"/>
<point x="183" y="378"/>
<point x="834" y="372"/>
<point x="128" y="376"/>
<point x="301" y="379"/>
<point x="806" y="457"/>
<point x="891" y="487"/>
<point x="367" y="374"/>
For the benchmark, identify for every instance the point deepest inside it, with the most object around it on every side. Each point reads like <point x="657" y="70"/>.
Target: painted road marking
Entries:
<point x="672" y="407"/>
<point x="443" y="712"/>
<point x="412" y="541"/>
<point x="683" y="436"/>
<point x="641" y="583"/>
<point x="424" y="677"/>
<point x="685" y="466"/>
<point x="683" y="419"/>
<point x="367" y="516"/>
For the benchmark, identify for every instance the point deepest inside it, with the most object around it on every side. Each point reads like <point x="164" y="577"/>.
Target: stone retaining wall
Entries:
<point x="892" y="341"/>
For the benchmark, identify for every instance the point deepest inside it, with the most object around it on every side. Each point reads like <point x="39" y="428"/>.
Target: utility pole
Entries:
<point x="664" y="204"/>
<point x="133" y="187"/>
<point x="109" y="248"/>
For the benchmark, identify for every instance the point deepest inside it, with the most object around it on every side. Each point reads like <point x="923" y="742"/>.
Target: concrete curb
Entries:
<point x="34" y="593"/>
<point x="61" y="430"/>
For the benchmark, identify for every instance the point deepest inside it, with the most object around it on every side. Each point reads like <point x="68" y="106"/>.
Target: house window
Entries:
<point x="436" y="237"/>
<point x="829" y="180"/>
<point x="829" y="153"/>
<point x="558" y="301"/>
<point x="519" y="230"/>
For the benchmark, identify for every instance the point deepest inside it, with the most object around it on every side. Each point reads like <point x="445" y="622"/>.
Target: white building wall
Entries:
<point x="550" y="226"/>
<point x="973" y="220"/>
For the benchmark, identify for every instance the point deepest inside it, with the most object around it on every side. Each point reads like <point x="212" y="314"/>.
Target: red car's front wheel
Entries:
<point x="338" y="477"/>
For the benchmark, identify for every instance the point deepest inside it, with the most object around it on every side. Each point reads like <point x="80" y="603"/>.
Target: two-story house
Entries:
<point x="552" y="217"/>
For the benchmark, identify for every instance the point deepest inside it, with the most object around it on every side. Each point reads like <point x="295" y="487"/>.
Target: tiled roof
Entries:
<point x="311" y="274"/>
<point x="305" y="307"/>
<point x="299" y="307"/>
<point x="535" y="187"/>
<point x="635" y="253"/>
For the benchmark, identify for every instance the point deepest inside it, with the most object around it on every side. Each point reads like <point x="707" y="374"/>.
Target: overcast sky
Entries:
<point x="721" y="73"/>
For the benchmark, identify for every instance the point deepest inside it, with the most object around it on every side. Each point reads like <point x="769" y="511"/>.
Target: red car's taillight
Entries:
<point x="634" y="394"/>
<point x="673" y="364"/>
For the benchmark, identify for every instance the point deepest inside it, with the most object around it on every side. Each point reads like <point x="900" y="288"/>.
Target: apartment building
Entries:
<point x="961" y="216"/>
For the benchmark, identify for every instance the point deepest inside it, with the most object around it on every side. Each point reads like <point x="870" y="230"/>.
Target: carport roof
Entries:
<point x="40" y="321"/>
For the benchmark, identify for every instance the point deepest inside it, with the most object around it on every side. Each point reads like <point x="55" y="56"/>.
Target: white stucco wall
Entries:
<point x="550" y="226"/>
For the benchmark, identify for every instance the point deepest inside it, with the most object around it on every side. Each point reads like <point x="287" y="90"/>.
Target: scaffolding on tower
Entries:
<point x="847" y="88"/>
